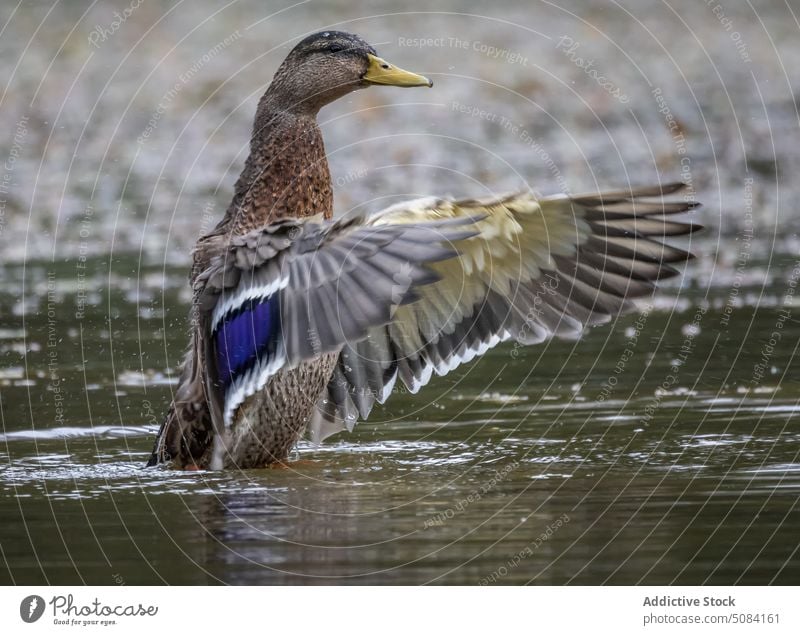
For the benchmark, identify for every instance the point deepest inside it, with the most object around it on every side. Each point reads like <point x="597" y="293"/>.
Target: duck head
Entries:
<point x="330" y="64"/>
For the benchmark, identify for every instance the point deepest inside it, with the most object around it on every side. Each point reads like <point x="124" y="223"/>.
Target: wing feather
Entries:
<point x="325" y="284"/>
<point x="535" y="268"/>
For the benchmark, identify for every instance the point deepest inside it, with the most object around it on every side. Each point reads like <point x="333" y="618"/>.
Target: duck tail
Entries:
<point x="160" y="453"/>
<point x="186" y="433"/>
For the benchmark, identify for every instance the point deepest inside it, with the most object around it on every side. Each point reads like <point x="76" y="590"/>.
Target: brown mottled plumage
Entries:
<point x="285" y="175"/>
<point x="302" y="322"/>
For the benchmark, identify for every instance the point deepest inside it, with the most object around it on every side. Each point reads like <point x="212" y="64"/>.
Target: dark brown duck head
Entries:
<point x="328" y="65"/>
<point x="286" y="173"/>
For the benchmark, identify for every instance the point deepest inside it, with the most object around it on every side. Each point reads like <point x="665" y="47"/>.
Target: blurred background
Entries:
<point x="140" y="112"/>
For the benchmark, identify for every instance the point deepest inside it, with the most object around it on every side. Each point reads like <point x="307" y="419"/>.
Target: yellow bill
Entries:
<point x="381" y="72"/>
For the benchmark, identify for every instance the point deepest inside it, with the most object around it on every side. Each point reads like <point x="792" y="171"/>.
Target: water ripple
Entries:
<point x="74" y="432"/>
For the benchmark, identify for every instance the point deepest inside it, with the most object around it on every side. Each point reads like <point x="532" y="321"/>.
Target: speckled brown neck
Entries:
<point x="286" y="174"/>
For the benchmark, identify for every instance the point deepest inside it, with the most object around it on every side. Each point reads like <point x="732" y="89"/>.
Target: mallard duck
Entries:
<point x="302" y="323"/>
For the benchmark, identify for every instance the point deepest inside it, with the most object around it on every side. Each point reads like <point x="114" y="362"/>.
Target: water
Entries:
<point x="660" y="449"/>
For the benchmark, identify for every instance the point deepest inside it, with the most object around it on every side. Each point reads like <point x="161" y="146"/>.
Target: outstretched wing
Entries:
<point x="295" y="290"/>
<point x="536" y="268"/>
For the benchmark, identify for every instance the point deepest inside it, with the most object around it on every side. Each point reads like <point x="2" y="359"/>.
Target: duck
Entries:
<point x="301" y="322"/>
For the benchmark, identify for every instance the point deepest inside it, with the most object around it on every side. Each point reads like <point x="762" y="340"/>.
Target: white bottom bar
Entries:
<point x="406" y="610"/>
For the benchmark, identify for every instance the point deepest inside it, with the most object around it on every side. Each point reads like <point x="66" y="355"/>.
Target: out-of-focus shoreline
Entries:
<point x="126" y="125"/>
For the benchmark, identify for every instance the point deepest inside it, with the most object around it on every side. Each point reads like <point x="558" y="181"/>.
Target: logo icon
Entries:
<point x="31" y="608"/>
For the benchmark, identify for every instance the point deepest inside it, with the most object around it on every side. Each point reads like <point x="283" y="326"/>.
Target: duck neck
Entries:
<point x="286" y="173"/>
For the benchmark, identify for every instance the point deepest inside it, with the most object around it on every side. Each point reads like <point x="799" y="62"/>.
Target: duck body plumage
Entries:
<point x="300" y="323"/>
<point x="286" y="175"/>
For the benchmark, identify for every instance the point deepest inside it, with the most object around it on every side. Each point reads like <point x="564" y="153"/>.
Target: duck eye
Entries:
<point x="335" y="48"/>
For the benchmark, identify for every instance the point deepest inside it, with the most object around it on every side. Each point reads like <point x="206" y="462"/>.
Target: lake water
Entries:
<point x="661" y="449"/>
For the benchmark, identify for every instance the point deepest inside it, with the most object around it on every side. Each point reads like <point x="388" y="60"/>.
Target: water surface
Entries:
<point x="660" y="449"/>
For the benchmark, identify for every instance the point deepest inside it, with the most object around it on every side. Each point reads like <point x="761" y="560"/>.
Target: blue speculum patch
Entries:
<point x="246" y="336"/>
